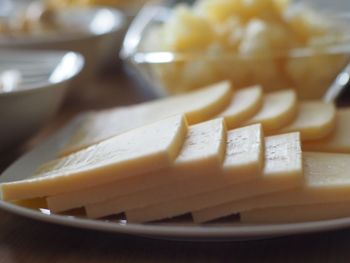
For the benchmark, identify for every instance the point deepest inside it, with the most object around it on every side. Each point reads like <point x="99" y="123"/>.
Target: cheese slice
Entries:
<point x="75" y="199"/>
<point x="338" y="140"/>
<point x="201" y="154"/>
<point x="243" y="162"/>
<point x="282" y="170"/>
<point x="315" y="120"/>
<point x="326" y="179"/>
<point x="244" y="157"/>
<point x="244" y="105"/>
<point x="139" y="151"/>
<point x="279" y="109"/>
<point x="299" y="213"/>
<point x="198" y="106"/>
<point x="36" y="203"/>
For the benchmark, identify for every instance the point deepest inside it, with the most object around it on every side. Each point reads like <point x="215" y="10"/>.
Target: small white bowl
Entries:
<point x="97" y="33"/>
<point x="45" y="76"/>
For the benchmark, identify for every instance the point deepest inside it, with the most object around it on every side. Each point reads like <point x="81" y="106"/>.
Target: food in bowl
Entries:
<point x="35" y="19"/>
<point x="276" y="44"/>
<point x="128" y="6"/>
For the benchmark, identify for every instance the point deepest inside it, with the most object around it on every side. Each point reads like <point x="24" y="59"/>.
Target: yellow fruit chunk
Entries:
<point x="217" y="11"/>
<point x="197" y="106"/>
<point x="200" y="155"/>
<point x="244" y="105"/>
<point x="139" y="151"/>
<point x="315" y="120"/>
<point x="326" y="180"/>
<point x="241" y="164"/>
<point x="283" y="170"/>
<point x="299" y="213"/>
<point x="305" y="22"/>
<point x="338" y="140"/>
<point x="221" y="10"/>
<point x="185" y="30"/>
<point x="279" y="109"/>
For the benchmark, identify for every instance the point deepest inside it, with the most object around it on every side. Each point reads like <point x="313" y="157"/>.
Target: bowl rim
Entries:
<point x="78" y="60"/>
<point x="23" y="40"/>
<point x="131" y="52"/>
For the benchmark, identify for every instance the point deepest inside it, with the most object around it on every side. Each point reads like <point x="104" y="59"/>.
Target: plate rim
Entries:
<point x="196" y="231"/>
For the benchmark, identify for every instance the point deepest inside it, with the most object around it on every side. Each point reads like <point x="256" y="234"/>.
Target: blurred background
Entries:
<point x="99" y="54"/>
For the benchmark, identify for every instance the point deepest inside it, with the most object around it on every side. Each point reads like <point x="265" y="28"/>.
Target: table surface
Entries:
<point x="26" y="240"/>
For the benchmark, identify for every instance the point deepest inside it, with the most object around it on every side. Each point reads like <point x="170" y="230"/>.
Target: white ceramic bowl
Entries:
<point x="99" y="32"/>
<point x="45" y="76"/>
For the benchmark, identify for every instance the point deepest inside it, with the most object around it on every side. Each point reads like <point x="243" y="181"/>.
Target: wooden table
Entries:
<point x="26" y="240"/>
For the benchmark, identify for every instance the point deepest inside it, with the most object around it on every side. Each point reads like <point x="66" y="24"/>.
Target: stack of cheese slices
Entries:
<point x="212" y="153"/>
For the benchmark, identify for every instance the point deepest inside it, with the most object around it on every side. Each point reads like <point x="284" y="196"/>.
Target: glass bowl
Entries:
<point x="307" y="70"/>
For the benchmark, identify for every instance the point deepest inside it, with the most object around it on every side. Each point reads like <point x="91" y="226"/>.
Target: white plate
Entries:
<point x="176" y="229"/>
